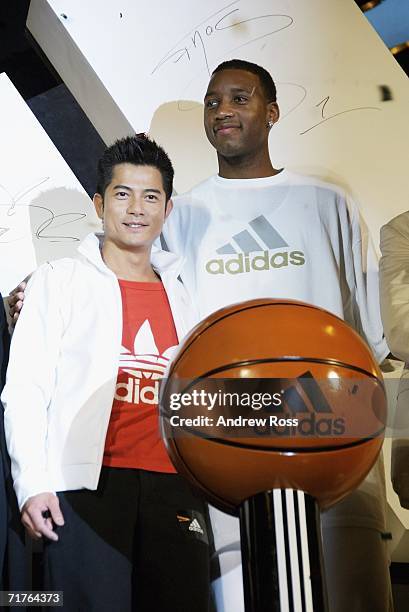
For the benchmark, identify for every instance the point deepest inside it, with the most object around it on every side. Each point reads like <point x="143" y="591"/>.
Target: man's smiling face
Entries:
<point x="133" y="207"/>
<point x="236" y="113"/>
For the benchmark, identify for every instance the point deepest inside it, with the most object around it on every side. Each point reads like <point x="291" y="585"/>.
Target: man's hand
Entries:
<point x="39" y="513"/>
<point x="400" y="470"/>
<point x="15" y="300"/>
<point x="401" y="487"/>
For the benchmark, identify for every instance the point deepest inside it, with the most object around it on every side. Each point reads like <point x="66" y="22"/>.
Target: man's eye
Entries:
<point x="151" y="197"/>
<point x="211" y="103"/>
<point x="121" y="194"/>
<point x="241" y="99"/>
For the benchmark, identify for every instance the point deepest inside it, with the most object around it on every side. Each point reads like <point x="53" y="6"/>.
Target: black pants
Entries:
<point x="140" y="542"/>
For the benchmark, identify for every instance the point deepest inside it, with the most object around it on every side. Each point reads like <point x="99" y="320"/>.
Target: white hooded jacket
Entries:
<point x="63" y="368"/>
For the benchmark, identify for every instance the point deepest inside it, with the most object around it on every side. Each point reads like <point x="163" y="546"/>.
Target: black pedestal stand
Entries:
<point x="281" y="553"/>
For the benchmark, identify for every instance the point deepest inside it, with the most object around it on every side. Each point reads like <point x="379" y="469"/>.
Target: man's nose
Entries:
<point x="224" y="109"/>
<point x="136" y="206"/>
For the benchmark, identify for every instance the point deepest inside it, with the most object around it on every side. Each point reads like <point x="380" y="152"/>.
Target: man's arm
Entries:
<point x="30" y="380"/>
<point x="5" y="345"/>
<point x="16" y="299"/>
<point x="394" y="292"/>
<point x="3" y="502"/>
<point x="366" y="280"/>
<point x="394" y="284"/>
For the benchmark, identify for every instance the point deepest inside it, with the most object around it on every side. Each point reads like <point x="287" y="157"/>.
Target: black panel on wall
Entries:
<point x="71" y="132"/>
<point x="25" y="66"/>
<point x="51" y="102"/>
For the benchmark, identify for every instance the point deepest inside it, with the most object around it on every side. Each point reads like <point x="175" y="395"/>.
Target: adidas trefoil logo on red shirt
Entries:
<point x="144" y="363"/>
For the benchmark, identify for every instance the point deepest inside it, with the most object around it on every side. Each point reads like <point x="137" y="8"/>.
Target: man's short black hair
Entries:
<point x="265" y="77"/>
<point x="139" y="150"/>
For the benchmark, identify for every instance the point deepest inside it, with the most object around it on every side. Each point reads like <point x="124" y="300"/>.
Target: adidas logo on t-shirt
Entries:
<point x="195" y="526"/>
<point x="247" y="242"/>
<point x="144" y="362"/>
<point x="263" y="238"/>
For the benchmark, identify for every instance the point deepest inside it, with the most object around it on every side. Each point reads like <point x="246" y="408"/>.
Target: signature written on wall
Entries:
<point x="47" y="227"/>
<point x="197" y="42"/>
<point x="211" y="29"/>
<point x="326" y="117"/>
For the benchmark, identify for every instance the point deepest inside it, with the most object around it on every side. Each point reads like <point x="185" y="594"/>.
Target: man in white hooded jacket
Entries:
<point x="90" y="470"/>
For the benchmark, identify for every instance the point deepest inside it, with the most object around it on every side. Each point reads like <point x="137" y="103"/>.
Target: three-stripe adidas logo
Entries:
<point x="192" y="522"/>
<point x="195" y="526"/>
<point x="247" y="242"/>
<point x="296" y="545"/>
<point x="260" y="237"/>
<point x="305" y="397"/>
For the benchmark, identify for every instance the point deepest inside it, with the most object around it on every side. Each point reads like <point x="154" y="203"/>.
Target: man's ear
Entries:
<point x="99" y="204"/>
<point x="168" y="208"/>
<point x="273" y="112"/>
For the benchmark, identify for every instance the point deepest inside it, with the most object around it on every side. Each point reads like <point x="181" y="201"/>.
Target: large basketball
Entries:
<point x="320" y="427"/>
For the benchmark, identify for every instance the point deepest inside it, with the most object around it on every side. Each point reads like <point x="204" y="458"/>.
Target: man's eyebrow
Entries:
<point x="152" y="189"/>
<point x="122" y="187"/>
<point x="244" y="90"/>
<point x="234" y="90"/>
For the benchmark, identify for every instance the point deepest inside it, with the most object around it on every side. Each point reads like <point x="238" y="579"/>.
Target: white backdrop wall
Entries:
<point x="145" y="66"/>
<point x="44" y="211"/>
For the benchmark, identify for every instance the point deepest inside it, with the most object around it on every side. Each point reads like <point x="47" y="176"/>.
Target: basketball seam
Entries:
<point x="281" y="449"/>
<point x="293" y="359"/>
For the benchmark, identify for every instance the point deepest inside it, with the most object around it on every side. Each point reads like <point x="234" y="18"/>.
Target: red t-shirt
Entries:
<point x="148" y="342"/>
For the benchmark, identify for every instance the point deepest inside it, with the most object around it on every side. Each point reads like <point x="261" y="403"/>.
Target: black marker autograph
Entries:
<point x="197" y="39"/>
<point x="51" y="222"/>
<point x="324" y="118"/>
<point x="200" y="33"/>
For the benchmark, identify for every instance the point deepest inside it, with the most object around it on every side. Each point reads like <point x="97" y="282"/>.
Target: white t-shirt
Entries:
<point x="284" y="236"/>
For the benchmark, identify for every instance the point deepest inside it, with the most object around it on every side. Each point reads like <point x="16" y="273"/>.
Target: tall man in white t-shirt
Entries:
<point x="254" y="231"/>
